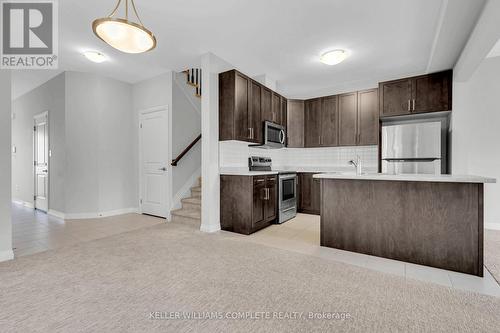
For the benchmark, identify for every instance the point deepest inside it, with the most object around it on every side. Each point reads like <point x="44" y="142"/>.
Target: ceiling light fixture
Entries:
<point x="333" y="57"/>
<point x="122" y="34"/>
<point x="95" y="56"/>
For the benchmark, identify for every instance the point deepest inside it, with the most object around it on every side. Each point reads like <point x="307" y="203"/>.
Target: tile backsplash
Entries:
<point x="234" y="154"/>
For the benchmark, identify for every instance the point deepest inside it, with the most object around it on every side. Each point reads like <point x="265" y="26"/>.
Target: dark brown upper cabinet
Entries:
<point x="348" y="119"/>
<point x="341" y="120"/>
<point x="234" y="106"/>
<point x="283" y="115"/>
<point x="395" y="97"/>
<point x="312" y="131"/>
<point x="267" y="105"/>
<point x="329" y="122"/>
<point x="424" y="93"/>
<point x="256" y="111"/>
<point x="276" y="108"/>
<point x="295" y="124"/>
<point x="368" y="117"/>
<point x="244" y="104"/>
<point x="432" y="93"/>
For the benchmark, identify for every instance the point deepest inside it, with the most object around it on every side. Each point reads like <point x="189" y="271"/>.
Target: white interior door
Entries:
<point x="154" y="161"/>
<point x="41" y="161"/>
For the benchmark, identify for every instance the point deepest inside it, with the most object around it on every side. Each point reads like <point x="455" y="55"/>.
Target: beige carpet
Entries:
<point x="492" y="252"/>
<point x="113" y="284"/>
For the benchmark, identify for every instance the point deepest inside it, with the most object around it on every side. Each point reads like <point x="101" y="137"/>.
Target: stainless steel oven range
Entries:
<point x="287" y="201"/>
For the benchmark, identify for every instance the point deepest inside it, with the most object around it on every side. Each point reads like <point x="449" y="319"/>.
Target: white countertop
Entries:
<point x="408" y="177"/>
<point x="243" y="171"/>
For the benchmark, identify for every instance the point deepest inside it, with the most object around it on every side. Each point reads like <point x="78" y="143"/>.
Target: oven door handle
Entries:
<point x="288" y="209"/>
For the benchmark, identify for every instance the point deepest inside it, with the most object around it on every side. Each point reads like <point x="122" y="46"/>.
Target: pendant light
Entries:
<point x="122" y="34"/>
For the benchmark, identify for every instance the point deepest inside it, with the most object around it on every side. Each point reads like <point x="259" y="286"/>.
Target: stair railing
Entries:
<point x="185" y="151"/>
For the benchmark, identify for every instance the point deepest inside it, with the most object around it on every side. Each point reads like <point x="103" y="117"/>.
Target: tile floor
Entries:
<point x="302" y="235"/>
<point x="34" y="231"/>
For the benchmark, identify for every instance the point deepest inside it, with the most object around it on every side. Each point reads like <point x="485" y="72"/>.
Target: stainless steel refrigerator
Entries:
<point x="416" y="147"/>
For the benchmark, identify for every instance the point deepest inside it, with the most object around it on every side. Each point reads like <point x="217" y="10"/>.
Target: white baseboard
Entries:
<point x="492" y="226"/>
<point x="6" y="255"/>
<point x="56" y="213"/>
<point x="185" y="190"/>
<point x="209" y="228"/>
<point x="82" y="216"/>
<point x="24" y="203"/>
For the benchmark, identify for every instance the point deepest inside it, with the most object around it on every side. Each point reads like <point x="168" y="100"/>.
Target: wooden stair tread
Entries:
<point x="194" y="214"/>
<point x="192" y="200"/>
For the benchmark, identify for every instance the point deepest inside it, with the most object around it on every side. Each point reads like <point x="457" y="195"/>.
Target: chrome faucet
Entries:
<point x="357" y="164"/>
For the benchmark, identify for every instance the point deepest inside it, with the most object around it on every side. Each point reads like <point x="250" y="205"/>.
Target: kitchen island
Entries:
<point x="432" y="220"/>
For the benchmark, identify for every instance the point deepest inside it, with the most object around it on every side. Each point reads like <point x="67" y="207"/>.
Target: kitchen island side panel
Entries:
<point x="428" y="223"/>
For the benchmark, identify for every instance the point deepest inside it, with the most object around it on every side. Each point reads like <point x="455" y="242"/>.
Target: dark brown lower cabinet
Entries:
<point x="248" y="203"/>
<point x="271" y="199"/>
<point x="309" y="194"/>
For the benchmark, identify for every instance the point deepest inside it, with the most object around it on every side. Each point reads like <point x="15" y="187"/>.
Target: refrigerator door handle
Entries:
<point x="423" y="159"/>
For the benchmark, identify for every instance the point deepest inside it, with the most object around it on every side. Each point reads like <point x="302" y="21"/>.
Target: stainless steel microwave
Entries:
<point x="274" y="136"/>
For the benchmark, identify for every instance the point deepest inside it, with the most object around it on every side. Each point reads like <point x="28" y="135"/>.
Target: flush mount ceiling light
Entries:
<point x="333" y="57"/>
<point x="95" y="56"/>
<point x="122" y="34"/>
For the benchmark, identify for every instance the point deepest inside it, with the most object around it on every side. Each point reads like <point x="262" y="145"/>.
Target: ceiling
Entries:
<point x="495" y="51"/>
<point x="280" y="38"/>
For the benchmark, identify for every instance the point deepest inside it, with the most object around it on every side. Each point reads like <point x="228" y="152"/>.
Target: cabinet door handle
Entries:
<point x="414" y="104"/>
<point x="409" y="105"/>
<point x="249" y="133"/>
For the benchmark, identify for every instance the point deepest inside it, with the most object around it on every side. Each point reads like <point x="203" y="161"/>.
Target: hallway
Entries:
<point x="34" y="231"/>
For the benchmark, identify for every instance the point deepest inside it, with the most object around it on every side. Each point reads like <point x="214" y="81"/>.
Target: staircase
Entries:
<point x="190" y="213"/>
<point x="193" y="78"/>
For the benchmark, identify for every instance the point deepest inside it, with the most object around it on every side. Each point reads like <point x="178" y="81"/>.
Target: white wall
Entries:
<point x="47" y="97"/>
<point x="5" y="167"/>
<point x="475" y="131"/>
<point x="101" y="165"/>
